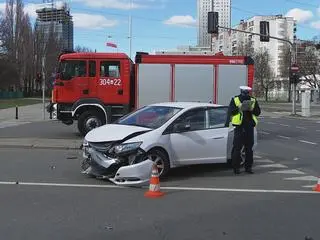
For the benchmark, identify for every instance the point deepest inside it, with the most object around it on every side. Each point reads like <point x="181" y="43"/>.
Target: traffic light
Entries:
<point x="295" y="78"/>
<point x="264" y="30"/>
<point x="213" y="22"/>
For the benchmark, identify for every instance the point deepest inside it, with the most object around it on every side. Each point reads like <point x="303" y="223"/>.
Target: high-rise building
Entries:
<point x="223" y="7"/>
<point x="56" y="16"/>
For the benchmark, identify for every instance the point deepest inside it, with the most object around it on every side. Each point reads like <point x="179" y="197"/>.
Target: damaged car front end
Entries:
<point x="121" y="163"/>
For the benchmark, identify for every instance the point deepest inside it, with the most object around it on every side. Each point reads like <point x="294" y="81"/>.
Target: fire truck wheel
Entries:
<point x="89" y="120"/>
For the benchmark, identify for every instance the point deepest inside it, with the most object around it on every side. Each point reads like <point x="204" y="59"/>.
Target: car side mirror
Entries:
<point x="181" y="127"/>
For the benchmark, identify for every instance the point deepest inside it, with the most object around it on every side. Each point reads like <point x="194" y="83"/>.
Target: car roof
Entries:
<point x="186" y="105"/>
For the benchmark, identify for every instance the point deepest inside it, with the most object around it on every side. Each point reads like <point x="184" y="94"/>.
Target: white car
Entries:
<point x="169" y="134"/>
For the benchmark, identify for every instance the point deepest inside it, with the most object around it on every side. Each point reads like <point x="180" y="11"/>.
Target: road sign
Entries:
<point x="294" y="68"/>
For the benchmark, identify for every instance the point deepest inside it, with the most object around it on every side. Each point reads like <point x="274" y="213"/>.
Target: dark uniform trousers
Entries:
<point x="243" y="135"/>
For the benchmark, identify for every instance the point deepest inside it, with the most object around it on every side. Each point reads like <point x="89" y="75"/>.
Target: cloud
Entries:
<point x="89" y="21"/>
<point x="2" y="7"/>
<point x="115" y="4"/>
<point x="183" y="21"/>
<point x="300" y="15"/>
<point x="318" y="10"/>
<point x="315" y="24"/>
<point x="30" y="8"/>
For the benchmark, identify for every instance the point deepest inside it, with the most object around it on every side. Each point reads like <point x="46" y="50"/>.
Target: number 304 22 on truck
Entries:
<point x="98" y="88"/>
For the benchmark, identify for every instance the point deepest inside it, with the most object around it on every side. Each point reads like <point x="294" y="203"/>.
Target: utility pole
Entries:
<point x="43" y="88"/>
<point x="130" y="29"/>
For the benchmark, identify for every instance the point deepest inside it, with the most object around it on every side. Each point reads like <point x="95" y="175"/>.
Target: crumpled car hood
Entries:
<point x="113" y="132"/>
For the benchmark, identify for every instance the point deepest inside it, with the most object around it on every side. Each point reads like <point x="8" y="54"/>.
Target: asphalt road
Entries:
<point x="292" y="141"/>
<point x="47" y="129"/>
<point x="52" y="200"/>
<point x="44" y="196"/>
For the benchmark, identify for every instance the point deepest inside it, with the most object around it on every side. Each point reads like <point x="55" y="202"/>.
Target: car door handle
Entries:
<point x="217" y="137"/>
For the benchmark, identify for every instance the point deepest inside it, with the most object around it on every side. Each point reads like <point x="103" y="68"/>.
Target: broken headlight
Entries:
<point x="127" y="148"/>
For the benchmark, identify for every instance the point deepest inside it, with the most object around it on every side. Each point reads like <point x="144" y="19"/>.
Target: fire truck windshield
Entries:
<point x="69" y="69"/>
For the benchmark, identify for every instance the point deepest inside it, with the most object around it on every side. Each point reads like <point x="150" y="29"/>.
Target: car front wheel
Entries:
<point x="161" y="160"/>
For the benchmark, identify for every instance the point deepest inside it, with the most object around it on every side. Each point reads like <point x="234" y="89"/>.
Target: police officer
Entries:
<point x="243" y="111"/>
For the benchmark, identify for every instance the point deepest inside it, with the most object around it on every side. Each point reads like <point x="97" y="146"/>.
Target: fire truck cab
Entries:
<point x="98" y="88"/>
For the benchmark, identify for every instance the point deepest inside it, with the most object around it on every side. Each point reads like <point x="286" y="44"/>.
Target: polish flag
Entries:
<point x="109" y="44"/>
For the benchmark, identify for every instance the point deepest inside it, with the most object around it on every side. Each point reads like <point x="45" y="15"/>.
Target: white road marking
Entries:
<point x="309" y="186"/>
<point x="256" y="156"/>
<point x="59" y="184"/>
<point x="290" y="171"/>
<point x="318" y="122"/>
<point x="284" y="125"/>
<point x="284" y="137"/>
<point x="262" y="132"/>
<point x="163" y="188"/>
<point x="318" y="130"/>
<point x="301" y="127"/>
<point x="307" y="142"/>
<point x="272" y="123"/>
<point x="304" y="178"/>
<point x="263" y="161"/>
<point x="296" y="159"/>
<point x="272" y="166"/>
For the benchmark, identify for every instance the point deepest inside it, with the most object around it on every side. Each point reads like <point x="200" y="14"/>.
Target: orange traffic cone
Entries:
<point x="154" y="188"/>
<point x="317" y="187"/>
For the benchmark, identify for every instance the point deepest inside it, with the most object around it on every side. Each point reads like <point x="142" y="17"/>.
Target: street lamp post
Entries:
<point x="130" y="29"/>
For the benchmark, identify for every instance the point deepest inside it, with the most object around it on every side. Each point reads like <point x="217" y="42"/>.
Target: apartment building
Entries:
<point x="237" y="43"/>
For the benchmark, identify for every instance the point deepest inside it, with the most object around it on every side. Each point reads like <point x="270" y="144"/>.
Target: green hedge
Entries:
<point x="9" y="95"/>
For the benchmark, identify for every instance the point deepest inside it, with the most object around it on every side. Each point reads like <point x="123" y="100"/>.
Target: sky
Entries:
<point x="165" y="24"/>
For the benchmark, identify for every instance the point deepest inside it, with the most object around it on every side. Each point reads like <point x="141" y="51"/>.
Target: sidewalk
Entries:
<point x="26" y="114"/>
<point x="285" y="110"/>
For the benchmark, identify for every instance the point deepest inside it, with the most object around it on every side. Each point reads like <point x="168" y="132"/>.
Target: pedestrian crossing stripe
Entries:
<point x="304" y="178"/>
<point x="290" y="171"/>
<point x="272" y="166"/>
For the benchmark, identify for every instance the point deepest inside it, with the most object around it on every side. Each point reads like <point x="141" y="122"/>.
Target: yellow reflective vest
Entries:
<point x="237" y="119"/>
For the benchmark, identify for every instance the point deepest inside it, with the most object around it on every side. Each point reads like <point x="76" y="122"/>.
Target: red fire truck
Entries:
<point x="98" y="88"/>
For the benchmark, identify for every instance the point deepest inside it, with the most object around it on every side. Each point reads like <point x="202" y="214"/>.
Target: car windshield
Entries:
<point x="149" y="117"/>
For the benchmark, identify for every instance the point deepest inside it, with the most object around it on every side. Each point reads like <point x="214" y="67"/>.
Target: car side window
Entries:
<point x="217" y="117"/>
<point x="110" y="69"/>
<point x="196" y="118"/>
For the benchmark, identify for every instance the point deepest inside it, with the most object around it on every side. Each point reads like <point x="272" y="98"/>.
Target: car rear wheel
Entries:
<point x="161" y="160"/>
<point x="242" y="156"/>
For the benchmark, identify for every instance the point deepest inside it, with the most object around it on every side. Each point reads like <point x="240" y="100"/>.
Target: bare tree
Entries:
<point x="16" y="36"/>
<point x="53" y="48"/>
<point x="310" y="67"/>
<point x="245" y="49"/>
<point x="79" y="48"/>
<point x="285" y="65"/>
<point x="8" y="74"/>
<point x="264" y="77"/>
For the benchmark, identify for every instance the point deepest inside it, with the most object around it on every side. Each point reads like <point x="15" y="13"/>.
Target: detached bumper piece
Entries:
<point x="117" y="170"/>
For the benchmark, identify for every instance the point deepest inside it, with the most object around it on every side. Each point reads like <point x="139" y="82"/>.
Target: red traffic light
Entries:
<point x="294" y="68"/>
